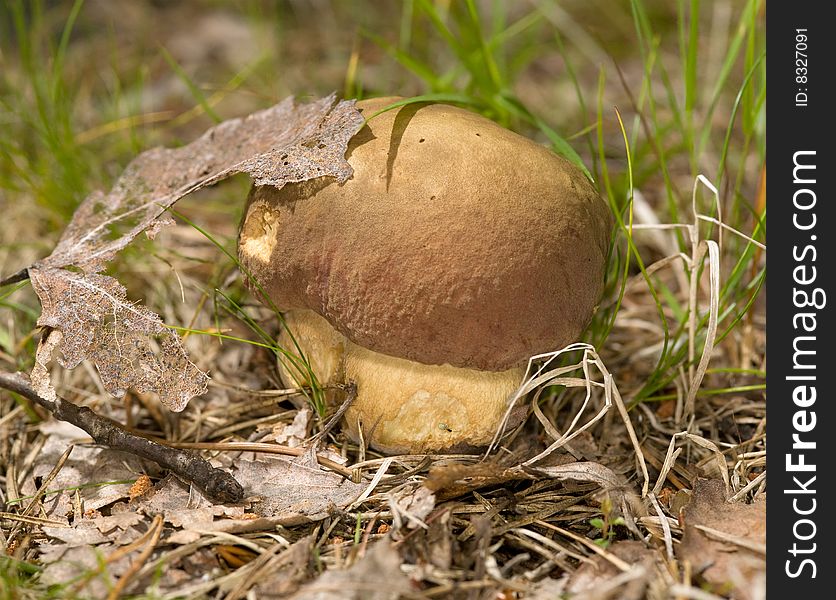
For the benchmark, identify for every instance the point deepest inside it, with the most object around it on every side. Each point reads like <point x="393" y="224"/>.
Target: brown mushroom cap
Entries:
<point x="455" y="242"/>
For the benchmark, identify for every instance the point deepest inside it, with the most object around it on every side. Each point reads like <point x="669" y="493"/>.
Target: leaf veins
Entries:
<point x="130" y="345"/>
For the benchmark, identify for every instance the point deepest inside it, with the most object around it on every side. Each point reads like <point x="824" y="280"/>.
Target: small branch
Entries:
<point x="216" y="484"/>
<point x="21" y="275"/>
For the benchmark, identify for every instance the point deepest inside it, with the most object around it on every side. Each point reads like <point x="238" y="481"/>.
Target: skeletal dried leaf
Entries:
<point x="130" y="345"/>
<point x="285" y="143"/>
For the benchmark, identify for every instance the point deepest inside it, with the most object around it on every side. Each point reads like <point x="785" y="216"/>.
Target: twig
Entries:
<point x="21" y="275"/>
<point x="216" y="484"/>
<point x="352" y="474"/>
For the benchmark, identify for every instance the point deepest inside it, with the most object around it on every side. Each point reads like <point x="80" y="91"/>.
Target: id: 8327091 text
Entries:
<point x="801" y="73"/>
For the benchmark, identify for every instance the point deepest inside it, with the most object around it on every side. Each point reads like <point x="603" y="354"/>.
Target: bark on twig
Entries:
<point x="216" y="484"/>
<point x="21" y="275"/>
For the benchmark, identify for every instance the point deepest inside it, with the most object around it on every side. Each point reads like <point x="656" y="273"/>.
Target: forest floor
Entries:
<point x="662" y="492"/>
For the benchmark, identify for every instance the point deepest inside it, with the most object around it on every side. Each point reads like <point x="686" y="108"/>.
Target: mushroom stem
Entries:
<point x="404" y="406"/>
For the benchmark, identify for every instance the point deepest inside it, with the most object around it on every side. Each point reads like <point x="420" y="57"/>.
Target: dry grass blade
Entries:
<point x="686" y="591"/>
<point x="609" y="556"/>
<point x="699" y="250"/>
<point x="542" y="376"/>
<point x="666" y="528"/>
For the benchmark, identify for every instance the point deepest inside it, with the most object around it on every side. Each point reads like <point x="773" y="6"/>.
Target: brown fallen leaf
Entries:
<point x="141" y="486"/>
<point x="130" y="345"/>
<point x="593" y="579"/>
<point x="725" y="542"/>
<point x="453" y="480"/>
<point x="376" y="576"/>
<point x="71" y="566"/>
<point x="294" y="491"/>
<point x="282" y="574"/>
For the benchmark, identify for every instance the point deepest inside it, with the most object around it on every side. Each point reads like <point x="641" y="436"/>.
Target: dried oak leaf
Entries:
<point x="130" y="345"/>
<point x="725" y="542"/>
<point x="281" y="492"/>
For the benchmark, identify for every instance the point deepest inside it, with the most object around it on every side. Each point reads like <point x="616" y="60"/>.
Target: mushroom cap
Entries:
<point x="455" y="241"/>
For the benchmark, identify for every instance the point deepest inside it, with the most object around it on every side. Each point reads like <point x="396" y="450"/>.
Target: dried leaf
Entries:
<point x="82" y="533"/>
<point x="294" y="492"/>
<point x="285" y="143"/>
<point x="117" y="521"/>
<point x="292" y="434"/>
<point x="184" y="506"/>
<point x="86" y="465"/>
<point x="724" y="541"/>
<point x="453" y="480"/>
<point x="283" y="574"/>
<point x="130" y="345"/>
<point x="411" y="507"/>
<point x="591" y="579"/>
<point x="141" y="486"/>
<point x="65" y="564"/>
<point x="281" y="492"/>
<point x="377" y="576"/>
<point x="592" y="472"/>
<point x="440" y="540"/>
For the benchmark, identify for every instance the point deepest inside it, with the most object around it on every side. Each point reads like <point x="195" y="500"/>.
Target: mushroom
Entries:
<point x="457" y="250"/>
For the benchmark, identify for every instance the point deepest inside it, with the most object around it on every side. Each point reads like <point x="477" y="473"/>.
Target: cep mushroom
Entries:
<point x="457" y="250"/>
